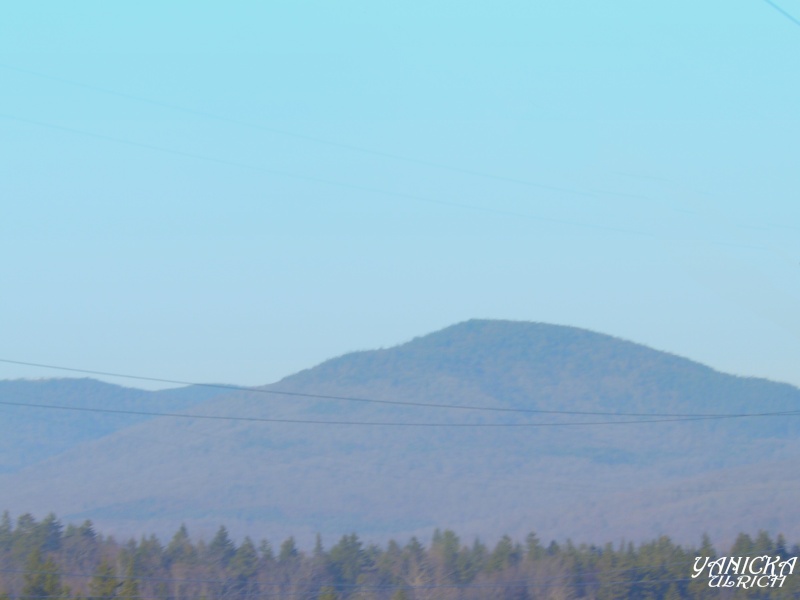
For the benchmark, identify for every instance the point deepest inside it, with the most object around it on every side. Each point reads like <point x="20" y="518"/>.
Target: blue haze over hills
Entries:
<point x="480" y="473"/>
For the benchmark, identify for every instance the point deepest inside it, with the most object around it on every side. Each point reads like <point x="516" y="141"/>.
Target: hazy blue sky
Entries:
<point x="235" y="191"/>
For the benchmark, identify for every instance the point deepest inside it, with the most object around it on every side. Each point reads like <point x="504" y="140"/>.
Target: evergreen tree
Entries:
<point x="289" y="551"/>
<point x="347" y="559"/>
<point x="504" y="555"/>
<point x="265" y="551"/>
<point x="48" y="533"/>
<point x="6" y="533"/>
<point x="129" y="590"/>
<point x="444" y="549"/>
<point x="780" y="546"/>
<point x="104" y="584"/>
<point x="533" y="548"/>
<point x="327" y="593"/>
<point x="743" y="546"/>
<point x="472" y="561"/>
<point x="698" y="587"/>
<point x="245" y="560"/>
<point x="319" y="551"/>
<point x="763" y="544"/>
<point x="82" y="546"/>
<point x="222" y="549"/>
<point x="180" y="548"/>
<point x="41" y="579"/>
<point x="416" y="566"/>
<point x="707" y="548"/>
<point x="24" y="539"/>
<point x="243" y="569"/>
<point x="149" y="558"/>
<point x="390" y="563"/>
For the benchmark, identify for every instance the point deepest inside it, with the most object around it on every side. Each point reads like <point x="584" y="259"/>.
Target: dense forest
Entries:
<point x="45" y="560"/>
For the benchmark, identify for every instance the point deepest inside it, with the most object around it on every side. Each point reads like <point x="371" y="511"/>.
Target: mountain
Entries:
<point x="29" y="434"/>
<point x="387" y="469"/>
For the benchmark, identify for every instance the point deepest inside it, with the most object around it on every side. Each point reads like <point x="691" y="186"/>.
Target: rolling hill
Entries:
<point x="381" y="461"/>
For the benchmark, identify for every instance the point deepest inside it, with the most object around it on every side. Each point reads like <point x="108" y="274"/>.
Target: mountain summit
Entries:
<point x="485" y="427"/>
<point x="537" y="365"/>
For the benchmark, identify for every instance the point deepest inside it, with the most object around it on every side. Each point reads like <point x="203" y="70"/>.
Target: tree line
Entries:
<point x="44" y="560"/>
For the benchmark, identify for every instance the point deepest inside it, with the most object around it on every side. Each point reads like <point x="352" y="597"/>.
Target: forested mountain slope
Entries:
<point x="302" y="464"/>
<point x="29" y="434"/>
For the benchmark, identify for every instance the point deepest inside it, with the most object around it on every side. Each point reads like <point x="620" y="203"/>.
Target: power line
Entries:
<point x="264" y="390"/>
<point x="336" y="144"/>
<point x="323" y="181"/>
<point x="789" y="16"/>
<point x="374" y="423"/>
<point x="352" y="186"/>
<point x="309" y="138"/>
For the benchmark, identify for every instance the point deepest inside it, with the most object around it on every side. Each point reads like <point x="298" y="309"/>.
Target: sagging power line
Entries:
<point x="265" y="390"/>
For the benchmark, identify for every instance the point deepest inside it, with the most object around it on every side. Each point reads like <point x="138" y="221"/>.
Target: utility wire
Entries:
<point x="319" y="180"/>
<point x="369" y="423"/>
<point x="353" y="186"/>
<point x="309" y="138"/>
<point x="789" y="16"/>
<point x="593" y="193"/>
<point x="378" y="423"/>
<point x="264" y="390"/>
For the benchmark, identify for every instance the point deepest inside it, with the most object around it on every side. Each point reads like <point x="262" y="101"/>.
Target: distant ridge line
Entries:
<point x="385" y="423"/>
<point x="660" y="417"/>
